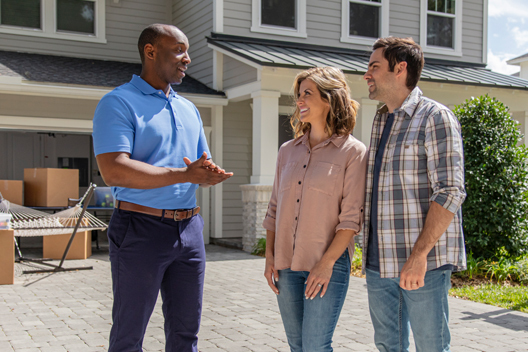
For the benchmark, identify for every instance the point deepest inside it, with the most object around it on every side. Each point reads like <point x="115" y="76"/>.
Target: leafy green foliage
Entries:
<point x="475" y="267"/>
<point x="496" y="207"/>
<point x="357" y="258"/>
<point x="259" y="248"/>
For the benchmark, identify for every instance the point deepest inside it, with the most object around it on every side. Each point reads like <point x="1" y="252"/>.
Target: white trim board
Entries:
<point x="45" y="124"/>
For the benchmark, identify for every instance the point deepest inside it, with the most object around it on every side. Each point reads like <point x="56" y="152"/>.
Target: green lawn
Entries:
<point x="510" y="297"/>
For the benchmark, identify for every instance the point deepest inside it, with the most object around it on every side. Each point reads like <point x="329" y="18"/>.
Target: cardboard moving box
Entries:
<point x="12" y="191"/>
<point x="50" y="187"/>
<point x="53" y="246"/>
<point x="7" y="257"/>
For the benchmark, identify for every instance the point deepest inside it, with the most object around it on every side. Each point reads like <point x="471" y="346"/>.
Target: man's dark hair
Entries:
<point x="396" y="50"/>
<point x="150" y="35"/>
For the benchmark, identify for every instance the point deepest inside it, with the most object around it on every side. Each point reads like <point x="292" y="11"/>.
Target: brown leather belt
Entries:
<point x="176" y="215"/>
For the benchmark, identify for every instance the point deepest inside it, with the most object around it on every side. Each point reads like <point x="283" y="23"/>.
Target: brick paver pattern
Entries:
<point x="71" y="312"/>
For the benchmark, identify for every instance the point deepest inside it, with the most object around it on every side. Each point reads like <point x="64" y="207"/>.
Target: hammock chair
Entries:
<point x="27" y="222"/>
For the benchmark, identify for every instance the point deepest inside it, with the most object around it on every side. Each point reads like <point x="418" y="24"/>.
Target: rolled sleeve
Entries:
<point x="270" y="218"/>
<point x="351" y="215"/>
<point x="445" y="160"/>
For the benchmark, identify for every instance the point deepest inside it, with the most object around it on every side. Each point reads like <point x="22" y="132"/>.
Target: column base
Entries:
<point x="255" y="198"/>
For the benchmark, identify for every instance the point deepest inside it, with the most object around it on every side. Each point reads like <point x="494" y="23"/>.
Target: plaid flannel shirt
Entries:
<point x="423" y="162"/>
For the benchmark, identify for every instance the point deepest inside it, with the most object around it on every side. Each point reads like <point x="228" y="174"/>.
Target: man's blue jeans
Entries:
<point x="394" y="311"/>
<point x="310" y="324"/>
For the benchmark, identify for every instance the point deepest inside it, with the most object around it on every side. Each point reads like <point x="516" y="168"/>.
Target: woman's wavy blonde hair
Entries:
<point x="334" y="89"/>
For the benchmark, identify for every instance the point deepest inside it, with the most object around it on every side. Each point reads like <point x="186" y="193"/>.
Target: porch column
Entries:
<point x="255" y="196"/>
<point x="217" y="143"/>
<point x="265" y="135"/>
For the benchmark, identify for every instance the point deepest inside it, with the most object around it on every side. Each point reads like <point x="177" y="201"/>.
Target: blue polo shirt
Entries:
<point x="138" y="119"/>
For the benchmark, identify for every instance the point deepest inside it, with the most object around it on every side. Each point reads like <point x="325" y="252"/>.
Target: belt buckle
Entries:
<point x="181" y="211"/>
<point x="175" y="216"/>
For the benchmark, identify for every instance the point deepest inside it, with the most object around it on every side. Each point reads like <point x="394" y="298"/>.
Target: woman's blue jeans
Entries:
<point x="310" y="324"/>
<point x="395" y="311"/>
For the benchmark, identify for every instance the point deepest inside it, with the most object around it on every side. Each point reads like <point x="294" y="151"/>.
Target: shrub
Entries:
<point x="259" y="248"/>
<point x="496" y="207"/>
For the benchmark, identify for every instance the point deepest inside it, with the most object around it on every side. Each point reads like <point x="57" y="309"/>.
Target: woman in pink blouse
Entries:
<point x="316" y="209"/>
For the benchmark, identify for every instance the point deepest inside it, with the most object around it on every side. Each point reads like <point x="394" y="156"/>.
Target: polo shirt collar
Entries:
<point x="146" y="88"/>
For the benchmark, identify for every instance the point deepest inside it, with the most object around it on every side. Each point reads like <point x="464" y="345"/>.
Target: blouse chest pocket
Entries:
<point x="322" y="177"/>
<point x="286" y="178"/>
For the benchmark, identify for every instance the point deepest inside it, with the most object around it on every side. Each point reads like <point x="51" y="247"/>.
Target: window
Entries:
<point x="81" y="20"/>
<point x="282" y="17"/>
<point x="20" y="13"/>
<point x="76" y="16"/>
<point x="363" y="21"/>
<point x="441" y="26"/>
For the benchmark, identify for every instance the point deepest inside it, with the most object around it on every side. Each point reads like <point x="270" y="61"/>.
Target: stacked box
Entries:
<point x="46" y="187"/>
<point x="12" y="191"/>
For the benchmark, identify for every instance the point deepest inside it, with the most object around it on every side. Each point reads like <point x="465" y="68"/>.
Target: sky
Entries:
<point x="507" y="33"/>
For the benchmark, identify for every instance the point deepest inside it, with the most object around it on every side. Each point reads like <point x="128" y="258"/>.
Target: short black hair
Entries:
<point x="151" y="35"/>
<point x="396" y="50"/>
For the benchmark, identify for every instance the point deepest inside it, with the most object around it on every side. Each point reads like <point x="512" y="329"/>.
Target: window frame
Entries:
<point x="49" y="25"/>
<point x="457" y="30"/>
<point x="357" y="39"/>
<point x="300" y="21"/>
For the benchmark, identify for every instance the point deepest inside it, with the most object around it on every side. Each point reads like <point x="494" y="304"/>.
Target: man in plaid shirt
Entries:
<point x="415" y="188"/>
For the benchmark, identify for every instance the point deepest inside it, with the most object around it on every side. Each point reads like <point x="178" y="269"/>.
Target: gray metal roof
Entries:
<point x="299" y="56"/>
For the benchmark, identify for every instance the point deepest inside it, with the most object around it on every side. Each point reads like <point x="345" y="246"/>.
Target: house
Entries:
<point x="521" y="61"/>
<point x="245" y="55"/>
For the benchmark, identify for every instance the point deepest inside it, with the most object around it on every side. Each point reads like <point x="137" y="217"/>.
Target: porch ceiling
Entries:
<point x="299" y="56"/>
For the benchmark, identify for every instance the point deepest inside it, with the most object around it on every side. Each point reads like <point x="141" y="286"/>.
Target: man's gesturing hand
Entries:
<point x="203" y="171"/>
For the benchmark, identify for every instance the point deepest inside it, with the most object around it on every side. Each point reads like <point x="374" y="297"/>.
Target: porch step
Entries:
<point x="231" y="242"/>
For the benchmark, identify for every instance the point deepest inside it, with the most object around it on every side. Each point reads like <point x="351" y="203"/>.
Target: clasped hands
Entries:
<point x="205" y="172"/>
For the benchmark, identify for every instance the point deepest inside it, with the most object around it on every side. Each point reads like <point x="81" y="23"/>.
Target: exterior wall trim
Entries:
<point x="75" y="92"/>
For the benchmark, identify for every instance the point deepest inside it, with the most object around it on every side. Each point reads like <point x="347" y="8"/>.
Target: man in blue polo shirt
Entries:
<point x="145" y="136"/>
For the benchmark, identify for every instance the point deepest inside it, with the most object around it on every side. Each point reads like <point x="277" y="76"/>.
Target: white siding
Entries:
<point x="195" y="19"/>
<point x="323" y="21"/>
<point x="237" y="158"/>
<point x="124" y="23"/>
<point x="236" y="73"/>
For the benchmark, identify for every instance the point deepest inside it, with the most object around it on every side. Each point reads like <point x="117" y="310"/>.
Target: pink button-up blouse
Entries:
<point x="316" y="193"/>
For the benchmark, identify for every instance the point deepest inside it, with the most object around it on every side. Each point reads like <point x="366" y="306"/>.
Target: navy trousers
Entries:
<point x="149" y="254"/>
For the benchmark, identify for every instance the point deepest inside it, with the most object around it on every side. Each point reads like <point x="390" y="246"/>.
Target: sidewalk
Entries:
<point x="72" y="312"/>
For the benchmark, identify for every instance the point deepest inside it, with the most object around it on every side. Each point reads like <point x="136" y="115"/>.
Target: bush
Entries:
<point x="259" y="248"/>
<point x="496" y="207"/>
